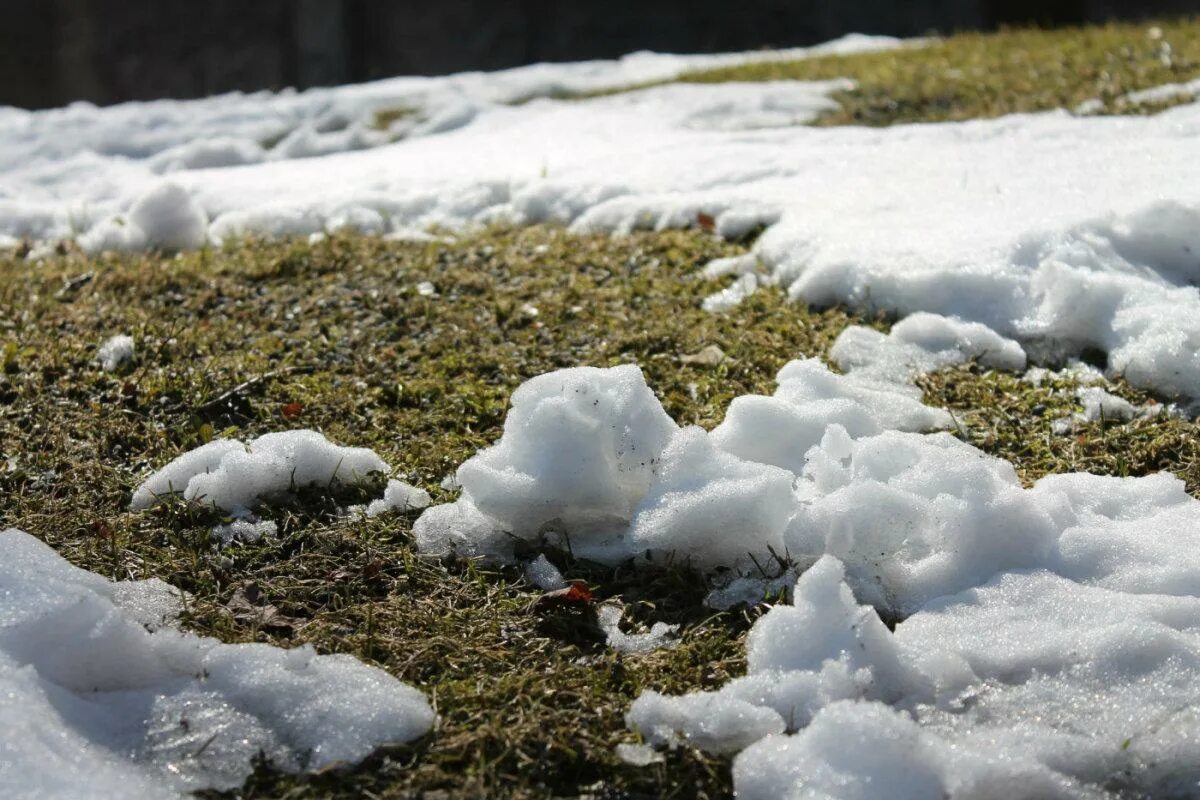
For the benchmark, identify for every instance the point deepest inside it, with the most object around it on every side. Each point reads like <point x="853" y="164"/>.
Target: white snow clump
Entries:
<point x="116" y="351"/>
<point x="233" y="476"/>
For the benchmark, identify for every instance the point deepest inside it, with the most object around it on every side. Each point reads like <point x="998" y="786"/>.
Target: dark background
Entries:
<point x="106" y="51"/>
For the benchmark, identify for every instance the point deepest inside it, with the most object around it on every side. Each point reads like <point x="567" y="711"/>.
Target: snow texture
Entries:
<point x="1090" y="237"/>
<point x="102" y="702"/>
<point x="234" y="476"/>
<point x="399" y="496"/>
<point x="660" y="634"/>
<point x="115" y="352"/>
<point x="1075" y="660"/>
<point x="241" y="530"/>
<point x="590" y="462"/>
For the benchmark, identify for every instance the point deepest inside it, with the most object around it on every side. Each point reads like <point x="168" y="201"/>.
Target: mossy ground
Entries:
<point x="530" y="702"/>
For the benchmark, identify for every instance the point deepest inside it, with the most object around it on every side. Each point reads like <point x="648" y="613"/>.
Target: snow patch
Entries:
<point x="97" y="705"/>
<point x="234" y="476"/>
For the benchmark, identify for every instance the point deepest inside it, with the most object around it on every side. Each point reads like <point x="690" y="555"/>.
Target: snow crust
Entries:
<point x="234" y="476"/>
<point x="100" y="701"/>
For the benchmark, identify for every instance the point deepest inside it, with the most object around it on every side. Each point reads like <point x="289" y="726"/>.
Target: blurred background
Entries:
<point x="105" y="51"/>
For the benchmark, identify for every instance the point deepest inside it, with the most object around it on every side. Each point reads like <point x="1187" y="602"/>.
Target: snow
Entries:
<point x="241" y="530"/>
<point x="660" y="634"/>
<point x="544" y="575"/>
<point x="234" y="476"/>
<point x="100" y="702"/>
<point x="1053" y="672"/>
<point x="116" y="352"/>
<point x="399" y="496"/>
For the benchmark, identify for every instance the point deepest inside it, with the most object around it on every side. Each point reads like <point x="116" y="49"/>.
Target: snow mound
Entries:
<point x="115" y="352"/>
<point x="590" y="462"/>
<point x="165" y="217"/>
<point x="97" y="705"/>
<point x="579" y="450"/>
<point x="1044" y="681"/>
<point x="233" y="476"/>
<point x="781" y="429"/>
<point x="922" y="343"/>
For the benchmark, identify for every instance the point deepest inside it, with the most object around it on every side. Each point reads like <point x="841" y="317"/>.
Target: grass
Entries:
<point x="976" y="75"/>
<point x="531" y="703"/>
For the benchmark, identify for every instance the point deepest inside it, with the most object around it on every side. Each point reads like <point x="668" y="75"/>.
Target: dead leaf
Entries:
<point x="292" y="410"/>
<point x="706" y="221"/>
<point x="577" y="594"/>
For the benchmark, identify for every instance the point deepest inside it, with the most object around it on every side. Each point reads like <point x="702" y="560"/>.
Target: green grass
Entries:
<point x="974" y="75"/>
<point x="531" y="703"/>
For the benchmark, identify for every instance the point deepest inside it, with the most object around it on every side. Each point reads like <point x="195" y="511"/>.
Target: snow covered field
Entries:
<point x="1048" y="637"/>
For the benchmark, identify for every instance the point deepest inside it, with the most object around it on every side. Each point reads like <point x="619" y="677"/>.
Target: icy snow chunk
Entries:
<point x="544" y="575"/>
<point x="660" y="634"/>
<point x="99" y="706"/>
<point x="638" y="755"/>
<point x="781" y="429"/>
<point x="1099" y="404"/>
<point x="745" y="590"/>
<point x="579" y="450"/>
<point x="923" y="343"/>
<point x="731" y="296"/>
<point x="234" y="476"/>
<point x="914" y="517"/>
<point x="241" y="530"/>
<point x="710" y="506"/>
<point x="115" y="352"/>
<point x="399" y="496"/>
<point x="426" y="289"/>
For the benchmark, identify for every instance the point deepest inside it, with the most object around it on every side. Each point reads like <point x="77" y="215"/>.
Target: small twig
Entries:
<point x="241" y="387"/>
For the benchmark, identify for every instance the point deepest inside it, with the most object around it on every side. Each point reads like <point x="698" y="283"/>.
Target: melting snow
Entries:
<point x="99" y="701"/>
<point x="234" y="476"/>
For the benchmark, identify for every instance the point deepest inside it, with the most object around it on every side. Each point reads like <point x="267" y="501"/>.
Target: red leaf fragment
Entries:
<point x="293" y="410"/>
<point x="706" y="221"/>
<point x="577" y="594"/>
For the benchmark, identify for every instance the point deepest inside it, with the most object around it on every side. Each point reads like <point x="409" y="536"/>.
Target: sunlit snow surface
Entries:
<point x="98" y="698"/>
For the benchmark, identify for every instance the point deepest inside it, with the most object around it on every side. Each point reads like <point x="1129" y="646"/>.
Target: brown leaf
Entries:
<point x="577" y="594"/>
<point x="706" y="221"/>
<point x="293" y="410"/>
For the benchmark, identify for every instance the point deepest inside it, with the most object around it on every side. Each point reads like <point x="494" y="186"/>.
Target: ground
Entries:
<point x="334" y="335"/>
